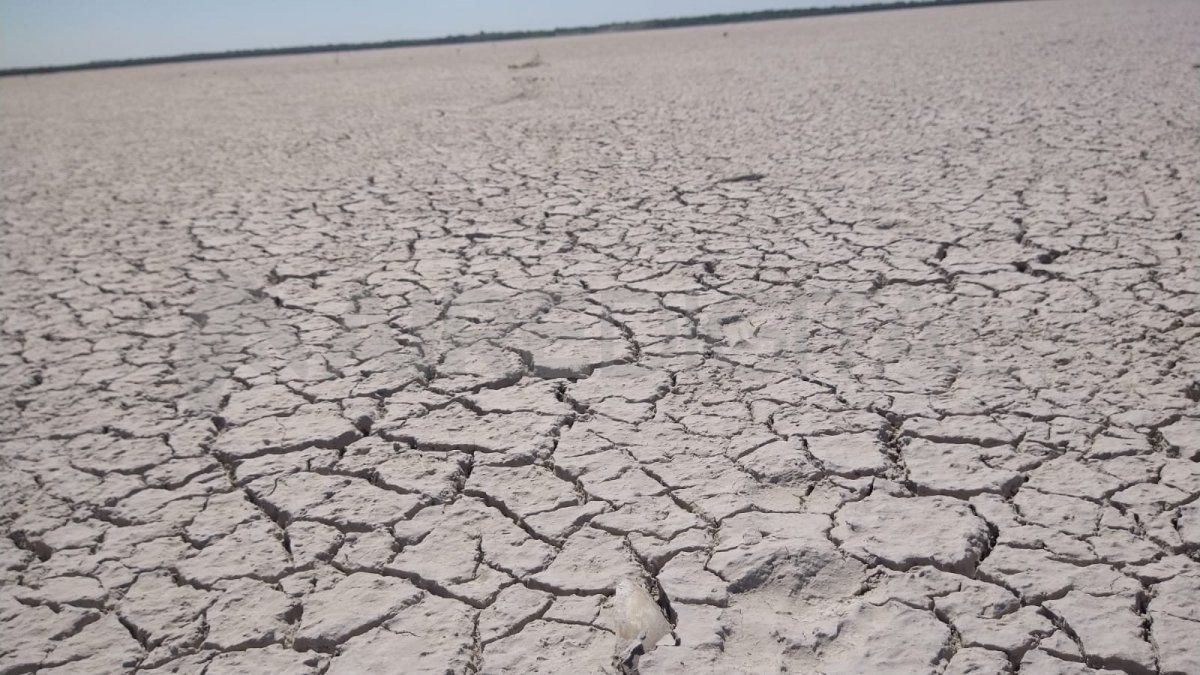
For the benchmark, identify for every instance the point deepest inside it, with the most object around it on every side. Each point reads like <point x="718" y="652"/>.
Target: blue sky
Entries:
<point x="52" y="32"/>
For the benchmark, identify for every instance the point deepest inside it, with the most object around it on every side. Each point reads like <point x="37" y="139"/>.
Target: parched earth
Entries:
<point x="855" y="344"/>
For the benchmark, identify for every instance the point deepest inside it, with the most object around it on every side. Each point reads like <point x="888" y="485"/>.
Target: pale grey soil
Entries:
<point x="859" y="344"/>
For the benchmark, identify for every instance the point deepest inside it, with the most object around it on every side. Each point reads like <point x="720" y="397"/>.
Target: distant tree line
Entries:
<point x="652" y="24"/>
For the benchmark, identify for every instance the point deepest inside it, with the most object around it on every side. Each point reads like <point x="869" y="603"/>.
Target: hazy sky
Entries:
<point x="50" y="32"/>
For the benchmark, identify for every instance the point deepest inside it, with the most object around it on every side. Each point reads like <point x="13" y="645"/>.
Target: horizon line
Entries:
<point x="498" y="36"/>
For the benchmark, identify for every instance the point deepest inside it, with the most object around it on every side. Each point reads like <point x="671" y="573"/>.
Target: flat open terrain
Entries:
<point x="854" y="344"/>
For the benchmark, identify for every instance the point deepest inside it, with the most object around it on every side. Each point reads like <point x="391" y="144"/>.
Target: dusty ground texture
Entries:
<point x="853" y="344"/>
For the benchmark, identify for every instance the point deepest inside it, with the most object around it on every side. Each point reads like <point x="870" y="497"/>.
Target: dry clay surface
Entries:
<point x="853" y="344"/>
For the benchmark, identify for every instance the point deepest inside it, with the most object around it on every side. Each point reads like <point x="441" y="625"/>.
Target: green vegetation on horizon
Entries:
<point x="652" y="24"/>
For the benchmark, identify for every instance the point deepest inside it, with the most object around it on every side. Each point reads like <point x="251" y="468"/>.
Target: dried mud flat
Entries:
<point x="853" y="344"/>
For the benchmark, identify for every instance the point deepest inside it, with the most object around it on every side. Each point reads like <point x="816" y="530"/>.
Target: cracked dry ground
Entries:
<point x="860" y="344"/>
